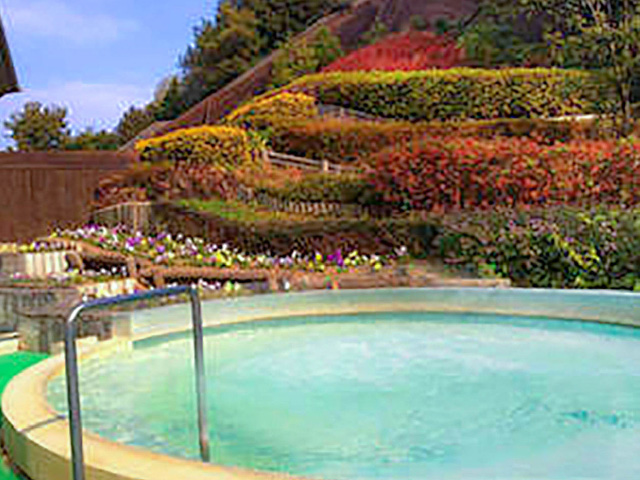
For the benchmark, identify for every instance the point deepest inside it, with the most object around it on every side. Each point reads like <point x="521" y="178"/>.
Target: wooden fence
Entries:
<point x="347" y="113"/>
<point x="42" y="191"/>
<point x="284" y="160"/>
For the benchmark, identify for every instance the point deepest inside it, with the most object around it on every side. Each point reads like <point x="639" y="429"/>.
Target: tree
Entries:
<point x="94" y="140"/>
<point x="295" y="60"/>
<point x="170" y="100"/>
<point x="38" y="128"/>
<point x="222" y="51"/>
<point x="601" y="34"/>
<point x="134" y="121"/>
<point x="301" y="58"/>
<point x="499" y="34"/>
<point x="278" y="21"/>
<point x="243" y="32"/>
<point x="327" y="46"/>
<point x="377" y="32"/>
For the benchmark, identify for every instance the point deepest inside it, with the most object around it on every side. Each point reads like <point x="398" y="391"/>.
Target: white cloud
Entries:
<point x="55" y="19"/>
<point x="89" y="104"/>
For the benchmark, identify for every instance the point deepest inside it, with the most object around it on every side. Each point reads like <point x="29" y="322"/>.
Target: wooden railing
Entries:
<point x="347" y="113"/>
<point x="284" y="160"/>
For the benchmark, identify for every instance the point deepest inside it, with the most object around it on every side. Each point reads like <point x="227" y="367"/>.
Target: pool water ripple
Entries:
<point x="386" y="396"/>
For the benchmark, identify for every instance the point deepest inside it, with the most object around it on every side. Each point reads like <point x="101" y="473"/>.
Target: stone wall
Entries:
<point x="39" y="315"/>
<point x="15" y="300"/>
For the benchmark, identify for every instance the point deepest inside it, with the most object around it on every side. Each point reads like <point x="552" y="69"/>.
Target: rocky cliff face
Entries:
<point x="397" y="15"/>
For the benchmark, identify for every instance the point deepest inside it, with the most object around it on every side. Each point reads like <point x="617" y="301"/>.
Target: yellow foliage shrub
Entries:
<point x="261" y="113"/>
<point x="223" y="146"/>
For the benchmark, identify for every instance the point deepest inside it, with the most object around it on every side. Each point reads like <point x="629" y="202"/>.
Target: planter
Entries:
<point x="34" y="265"/>
<point x="113" y="288"/>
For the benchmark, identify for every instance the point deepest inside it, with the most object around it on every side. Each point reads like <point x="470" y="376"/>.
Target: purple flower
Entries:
<point x="160" y="249"/>
<point x="336" y="258"/>
<point x="132" y="242"/>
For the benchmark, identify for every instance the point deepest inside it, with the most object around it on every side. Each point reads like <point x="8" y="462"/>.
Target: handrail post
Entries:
<point x="73" y="393"/>
<point x="201" y="383"/>
<point x="71" y="369"/>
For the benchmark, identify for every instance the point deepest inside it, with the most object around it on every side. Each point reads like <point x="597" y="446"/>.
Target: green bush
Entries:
<point x="345" y="189"/>
<point x="226" y="147"/>
<point x="455" y="94"/>
<point x="561" y="248"/>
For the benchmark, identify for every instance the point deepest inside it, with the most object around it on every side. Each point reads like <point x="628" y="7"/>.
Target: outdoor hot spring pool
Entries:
<point x="408" y="395"/>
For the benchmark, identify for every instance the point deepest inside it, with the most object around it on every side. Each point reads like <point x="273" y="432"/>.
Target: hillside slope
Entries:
<point x="348" y="25"/>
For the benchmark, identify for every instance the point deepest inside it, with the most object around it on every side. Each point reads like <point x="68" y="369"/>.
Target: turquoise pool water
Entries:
<point x="385" y="396"/>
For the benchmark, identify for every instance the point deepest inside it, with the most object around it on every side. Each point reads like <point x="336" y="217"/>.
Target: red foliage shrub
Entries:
<point x="406" y="51"/>
<point x="145" y="182"/>
<point x="464" y="173"/>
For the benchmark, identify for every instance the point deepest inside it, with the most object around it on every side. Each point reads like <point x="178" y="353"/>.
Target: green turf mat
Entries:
<point x="10" y="366"/>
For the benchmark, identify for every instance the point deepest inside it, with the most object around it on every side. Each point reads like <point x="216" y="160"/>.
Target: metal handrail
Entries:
<point x="71" y="362"/>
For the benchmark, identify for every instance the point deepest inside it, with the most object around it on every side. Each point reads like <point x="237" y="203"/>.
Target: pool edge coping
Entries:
<point x="37" y="438"/>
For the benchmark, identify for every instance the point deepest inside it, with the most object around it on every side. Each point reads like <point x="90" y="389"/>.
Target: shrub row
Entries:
<point x="402" y="52"/>
<point x="470" y="173"/>
<point x="554" y="248"/>
<point x="340" y="140"/>
<point x="460" y="93"/>
<point x="261" y="113"/>
<point x="166" y="181"/>
<point x="346" y="140"/>
<point x="223" y="146"/>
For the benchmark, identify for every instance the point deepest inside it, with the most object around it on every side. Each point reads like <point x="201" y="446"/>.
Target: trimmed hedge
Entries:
<point x="340" y="140"/>
<point x="226" y="147"/>
<point x="461" y="93"/>
<point x="261" y="113"/>
<point x="322" y="187"/>
<point x="348" y="140"/>
<point x="466" y="173"/>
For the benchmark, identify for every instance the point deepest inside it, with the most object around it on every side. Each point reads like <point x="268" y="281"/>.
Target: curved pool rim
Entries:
<point x="37" y="438"/>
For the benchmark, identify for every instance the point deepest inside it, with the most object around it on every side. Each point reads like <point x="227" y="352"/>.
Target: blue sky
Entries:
<point x="95" y="57"/>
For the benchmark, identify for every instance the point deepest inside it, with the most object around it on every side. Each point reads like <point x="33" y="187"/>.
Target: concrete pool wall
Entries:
<point x="37" y="438"/>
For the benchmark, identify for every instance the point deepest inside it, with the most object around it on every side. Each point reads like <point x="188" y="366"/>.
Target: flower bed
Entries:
<point x="369" y="236"/>
<point x="182" y="250"/>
